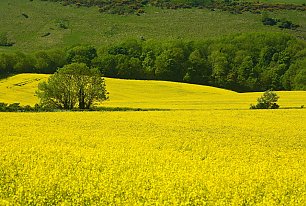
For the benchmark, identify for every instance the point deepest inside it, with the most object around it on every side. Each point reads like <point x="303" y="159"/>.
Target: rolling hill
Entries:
<point x="150" y="94"/>
<point x="201" y="146"/>
<point x="35" y="25"/>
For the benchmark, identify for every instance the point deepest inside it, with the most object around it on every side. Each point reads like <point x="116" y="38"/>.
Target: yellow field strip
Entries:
<point x="151" y="94"/>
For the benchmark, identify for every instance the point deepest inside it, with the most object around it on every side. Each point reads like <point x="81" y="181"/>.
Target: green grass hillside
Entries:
<point x="151" y="94"/>
<point x="42" y="28"/>
<point x="284" y="1"/>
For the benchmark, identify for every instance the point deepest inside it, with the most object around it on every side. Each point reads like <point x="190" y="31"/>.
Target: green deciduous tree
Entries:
<point x="300" y="80"/>
<point x="220" y="67"/>
<point x="23" y="63"/>
<point x="73" y="85"/>
<point x="295" y="76"/>
<point x="198" y="70"/>
<point x="148" y="64"/>
<point x="81" y="54"/>
<point x="49" y="61"/>
<point x="169" y="65"/>
<point x="7" y="62"/>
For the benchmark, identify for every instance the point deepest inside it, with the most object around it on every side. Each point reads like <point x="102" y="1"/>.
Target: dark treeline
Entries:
<point x="45" y="62"/>
<point x="16" y="107"/>
<point x="137" y="6"/>
<point x="134" y="6"/>
<point x="244" y="62"/>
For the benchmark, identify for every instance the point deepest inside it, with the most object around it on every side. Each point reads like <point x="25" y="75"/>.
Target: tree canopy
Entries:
<point x="74" y="85"/>
<point x="241" y="62"/>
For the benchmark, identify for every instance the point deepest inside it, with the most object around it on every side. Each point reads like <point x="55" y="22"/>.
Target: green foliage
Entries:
<point x="16" y="107"/>
<point x="87" y="26"/>
<point x="199" y="71"/>
<point x="269" y="21"/>
<point x="73" y="85"/>
<point x="123" y="7"/>
<point x="4" y="40"/>
<point x="47" y="62"/>
<point x="282" y="23"/>
<point x="23" y="63"/>
<point x="137" y="6"/>
<point x="62" y="23"/>
<point x="300" y="80"/>
<point x="169" y="64"/>
<point x="39" y="62"/>
<point x="285" y="24"/>
<point x="81" y="54"/>
<point x="267" y="101"/>
<point x="245" y="62"/>
<point x="6" y="64"/>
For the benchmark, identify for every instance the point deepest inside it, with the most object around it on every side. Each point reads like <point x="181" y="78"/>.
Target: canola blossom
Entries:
<point x="209" y="157"/>
<point x="209" y="149"/>
<point x="151" y="94"/>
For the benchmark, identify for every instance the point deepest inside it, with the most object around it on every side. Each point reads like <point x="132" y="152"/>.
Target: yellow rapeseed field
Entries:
<point x="209" y="150"/>
<point x="20" y="88"/>
<point x="151" y="94"/>
<point x="221" y="157"/>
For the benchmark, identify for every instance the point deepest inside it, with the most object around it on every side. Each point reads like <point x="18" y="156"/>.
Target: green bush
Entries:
<point x="4" y="40"/>
<point x="267" y="101"/>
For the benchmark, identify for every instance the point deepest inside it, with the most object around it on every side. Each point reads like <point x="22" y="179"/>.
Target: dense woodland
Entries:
<point x="243" y="62"/>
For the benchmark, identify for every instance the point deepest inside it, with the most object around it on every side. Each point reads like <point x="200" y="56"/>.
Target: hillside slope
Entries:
<point x="34" y="25"/>
<point x="20" y="88"/>
<point x="150" y="94"/>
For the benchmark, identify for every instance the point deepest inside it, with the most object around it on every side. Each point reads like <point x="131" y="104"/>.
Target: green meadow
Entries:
<point x="41" y="29"/>
<point x="284" y="1"/>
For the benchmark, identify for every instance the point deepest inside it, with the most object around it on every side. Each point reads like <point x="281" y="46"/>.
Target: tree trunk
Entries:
<point x="81" y="99"/>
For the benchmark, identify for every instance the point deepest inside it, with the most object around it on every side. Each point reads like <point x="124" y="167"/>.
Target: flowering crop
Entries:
<point x="213" y="157"/>
<point x="151" y="94"/>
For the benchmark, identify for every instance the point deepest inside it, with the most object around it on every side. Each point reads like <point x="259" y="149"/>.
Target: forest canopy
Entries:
<point x="243" y="62"/>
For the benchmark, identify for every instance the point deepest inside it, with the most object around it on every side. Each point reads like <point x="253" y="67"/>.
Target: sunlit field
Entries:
<point x="208" y="149"/>
<point x="21" y="88"/>
<point x="151" y="94"/>
<point x="154" y="142"/>
<point x="217" y="157"/>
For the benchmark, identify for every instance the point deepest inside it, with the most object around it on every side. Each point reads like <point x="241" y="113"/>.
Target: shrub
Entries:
<point x="4" y="40"/>
<point x="287" y="25"/>
<point x="267" y="101"/>
<point x="269" y="21"/>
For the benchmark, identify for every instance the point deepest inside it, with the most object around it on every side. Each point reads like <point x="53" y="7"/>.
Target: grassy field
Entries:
<point x="151" y="94"/>
<point x="88" y="26"/>
<point x="285" y="1"/>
